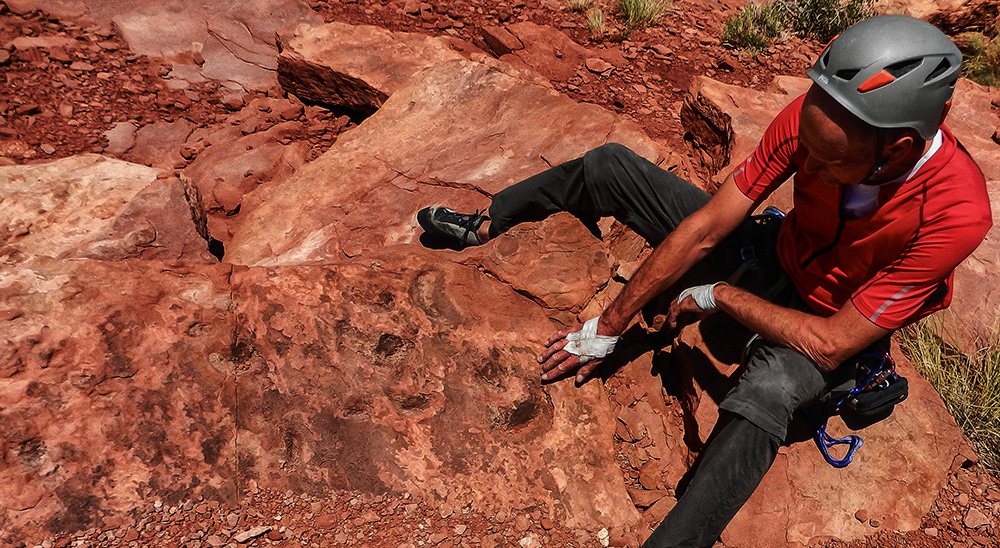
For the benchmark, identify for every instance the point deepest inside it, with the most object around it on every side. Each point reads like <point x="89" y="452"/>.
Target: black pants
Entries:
<point x="614" y="181"/>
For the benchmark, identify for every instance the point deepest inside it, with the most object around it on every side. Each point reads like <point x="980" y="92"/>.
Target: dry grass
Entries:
<point x="968" y="384"/>
<point x="595" y="23"/>
<point x="580" y="6"/>
<point x="754" y="27"/>
<point x="981" y="62"/>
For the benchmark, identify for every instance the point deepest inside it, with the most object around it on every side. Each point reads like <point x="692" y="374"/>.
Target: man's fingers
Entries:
<point x="559" y="364"/>
<point x="559" y="336"/>
<point x="553" y="347"/>
<point x="584" y="372"/>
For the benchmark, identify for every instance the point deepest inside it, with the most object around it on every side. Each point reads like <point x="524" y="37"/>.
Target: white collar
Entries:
<point x="936" y="143"/>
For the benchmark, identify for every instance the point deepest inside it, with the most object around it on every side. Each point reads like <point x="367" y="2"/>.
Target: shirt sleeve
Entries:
<point x="772" y="162"/>
<point x="919" y="281"/>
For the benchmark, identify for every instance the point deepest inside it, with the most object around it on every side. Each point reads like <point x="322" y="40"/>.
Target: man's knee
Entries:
<point x="777" y="382"/>
<point x="612" y="152"/>
<point x="613" y="165"/>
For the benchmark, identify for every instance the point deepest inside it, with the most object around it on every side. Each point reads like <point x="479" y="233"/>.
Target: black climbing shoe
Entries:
<point x="455" y="228"/>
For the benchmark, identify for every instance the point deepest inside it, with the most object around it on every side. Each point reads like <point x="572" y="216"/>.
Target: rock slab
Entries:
<point x="95" y="207"/>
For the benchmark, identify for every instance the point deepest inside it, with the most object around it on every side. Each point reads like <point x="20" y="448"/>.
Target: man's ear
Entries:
<point x="907" y="145"/>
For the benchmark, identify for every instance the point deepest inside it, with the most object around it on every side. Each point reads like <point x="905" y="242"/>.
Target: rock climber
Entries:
<point x="887" y="203"/>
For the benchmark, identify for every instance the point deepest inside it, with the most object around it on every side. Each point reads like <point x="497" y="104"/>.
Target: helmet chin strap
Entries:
<point x="880" y="161"/>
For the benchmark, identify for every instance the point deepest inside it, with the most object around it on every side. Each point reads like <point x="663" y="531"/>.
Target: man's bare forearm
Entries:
<point x="827" y="341"/>
<point x="669" y="261"/>
<point x="690" y="242"/>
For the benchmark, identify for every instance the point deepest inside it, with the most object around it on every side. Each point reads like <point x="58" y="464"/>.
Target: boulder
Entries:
<point x="951" y="16"/>
<point x="232" y="165"/>
<point x="91" y="206"/>
<point x="158" y="144"/>
<point x="508" y="129"/>
<point x="118" y="391"/>
<point x="356" y="67"/>
<point x="546" y="50"/>
<point x="231" y="42"/>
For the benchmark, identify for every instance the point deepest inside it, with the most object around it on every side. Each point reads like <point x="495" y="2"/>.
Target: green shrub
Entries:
<point x="640" y="14"/>
<point x="981" y="62"/>
<point x="757" y="25"/>
<point x="969" y="385"/>
<point x="824" y="19"/>
<point x="754" y="27"/>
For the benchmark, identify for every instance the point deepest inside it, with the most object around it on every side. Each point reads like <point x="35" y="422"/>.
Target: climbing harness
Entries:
<point x="879" y="389"/>
<point x="758" y="254"/>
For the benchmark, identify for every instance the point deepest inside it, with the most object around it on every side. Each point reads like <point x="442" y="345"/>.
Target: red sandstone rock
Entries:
<point x="158" y="144"/>
<point x="500" y="40"/>
<point x="388" y="352"/>
<point x="232" y="166"/>
<point x="356" y="67"/>
<point x="118" y="390"/>
<point x="92" y="206"/>
<point x="952" y="16"/>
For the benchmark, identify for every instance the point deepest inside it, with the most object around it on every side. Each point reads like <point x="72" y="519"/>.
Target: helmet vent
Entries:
<point x="847" y="74"/>
<point x="942" y="68"/>
<point x="903" y="67"/>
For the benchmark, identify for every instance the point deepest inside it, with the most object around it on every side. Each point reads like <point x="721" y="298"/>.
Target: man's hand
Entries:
<point x="694" y="303"/>
<point x="581" y="347"/>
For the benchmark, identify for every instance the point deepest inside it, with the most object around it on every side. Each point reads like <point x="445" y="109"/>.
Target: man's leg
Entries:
<point x="777" y="381"/>
<point x="733" y="465"/>
<point x="610" y="180"/>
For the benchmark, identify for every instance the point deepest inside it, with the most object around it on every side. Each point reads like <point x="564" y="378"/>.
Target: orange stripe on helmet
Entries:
<point x="876" y="81"/>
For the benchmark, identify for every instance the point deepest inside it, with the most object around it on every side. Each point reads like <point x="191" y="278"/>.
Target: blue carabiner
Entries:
<point x="824" y="441"/>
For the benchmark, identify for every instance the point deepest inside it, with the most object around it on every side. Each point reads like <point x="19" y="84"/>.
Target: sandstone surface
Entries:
<point x="375" y="375"/>
<point x="94" y="207"/>
<point x="231" y="42"/>
<point x="350" y="356"/>
<point x="115" y="391"/>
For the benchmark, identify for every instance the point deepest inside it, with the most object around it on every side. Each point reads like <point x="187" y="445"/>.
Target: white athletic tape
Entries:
<point x="703" y="295"/>
<point x="587" y="344"/>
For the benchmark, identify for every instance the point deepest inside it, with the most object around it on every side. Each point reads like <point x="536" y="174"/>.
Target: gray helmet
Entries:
<point x="891" y="71"/>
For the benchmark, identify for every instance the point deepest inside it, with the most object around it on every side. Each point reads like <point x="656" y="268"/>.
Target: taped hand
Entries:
<point x="703" y="296"/>
<point x="587" y="344"/>
<point x="575" y="350"/>
<point x="693" y="303"/>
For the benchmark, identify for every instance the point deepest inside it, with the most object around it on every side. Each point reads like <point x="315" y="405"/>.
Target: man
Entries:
<point x="886" y="204"/>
